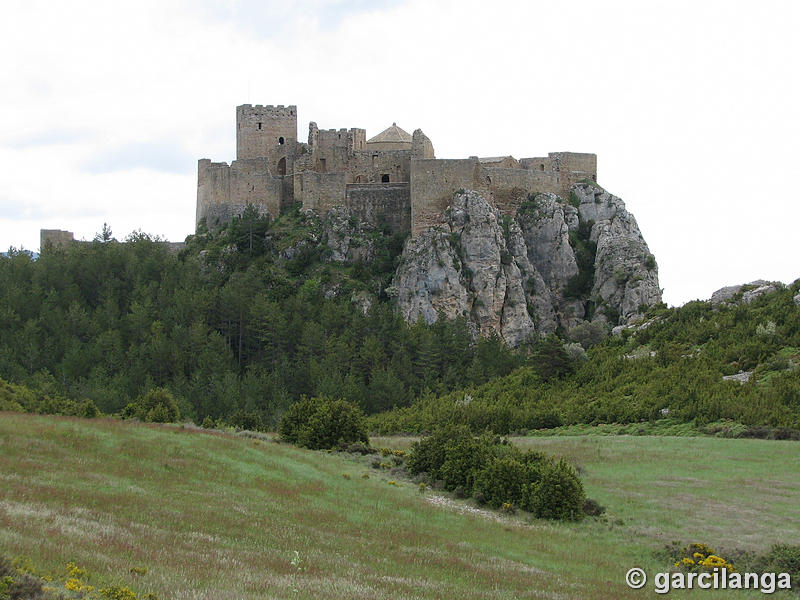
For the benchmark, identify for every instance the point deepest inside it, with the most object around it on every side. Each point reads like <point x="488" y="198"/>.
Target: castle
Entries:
<point x="393" y="178"/>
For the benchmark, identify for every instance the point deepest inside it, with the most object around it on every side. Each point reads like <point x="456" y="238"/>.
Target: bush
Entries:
<point x="464" y="460"/>
<point x="593" y="508"/>
<point x="589" y="333"/>
<point x="782" y="558"/>
<point x="496" y="473"/>
<point x="247" y="419"/>
<point x="428" y="454"/>
<point x="700" y="557"/>
<point x="502" y="481"/>
<point x="156" y="406"/>
<point x="559" y="494"/>
<point x="323" y="423"/>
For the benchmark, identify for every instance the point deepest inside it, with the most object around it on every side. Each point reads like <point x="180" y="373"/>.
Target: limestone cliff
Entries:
<point x="554" y="263"/>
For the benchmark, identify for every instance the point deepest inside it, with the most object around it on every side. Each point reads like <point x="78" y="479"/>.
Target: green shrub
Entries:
<point x="428" y="454"/>
<point x="247" y="419"/>
<point x="156" y="406"/>
<point x="782" y="558"/>
<point x="323" y="423"/>
<point x="15" y="398"/>
<point x="559" y="494"/>
<point x="502" y="481"/>
<point x="498" y="474"/>
<point x="463" y="462"/>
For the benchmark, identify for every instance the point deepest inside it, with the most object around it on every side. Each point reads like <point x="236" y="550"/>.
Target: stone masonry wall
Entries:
<point x="56" y="237"/>
<point x="433" y="182"/>
<point x="225" y="191"/>
<point x="573" y="167"/>
<point x="509" y="188"/>
<point x="378" y="203"/>
<point x="321" y="192"/>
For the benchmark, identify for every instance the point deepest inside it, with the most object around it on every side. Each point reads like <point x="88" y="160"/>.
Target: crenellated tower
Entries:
<point x="267" y="132"/>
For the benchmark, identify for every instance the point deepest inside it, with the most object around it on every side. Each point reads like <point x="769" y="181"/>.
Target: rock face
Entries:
<point x="344" y="235"/>
<point x="625" y="273"/>
<point x="553" y="264"/>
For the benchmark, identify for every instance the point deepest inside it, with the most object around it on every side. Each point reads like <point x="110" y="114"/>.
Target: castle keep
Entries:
<point x="392" y="178"/>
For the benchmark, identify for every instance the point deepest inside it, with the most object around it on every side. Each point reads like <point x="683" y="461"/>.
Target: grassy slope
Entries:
<point x="728" y="493"/>
<point x="216" y="516"/>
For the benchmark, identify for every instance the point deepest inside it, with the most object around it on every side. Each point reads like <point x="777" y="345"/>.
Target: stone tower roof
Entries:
<point x="392" y="135"/>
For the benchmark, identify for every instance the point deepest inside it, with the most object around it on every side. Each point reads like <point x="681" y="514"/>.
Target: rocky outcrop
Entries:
<point x="553" y="264"/>
<point x="343" y="234"/>
<point x="625" y="273"/>
<point x="744" y="293"/>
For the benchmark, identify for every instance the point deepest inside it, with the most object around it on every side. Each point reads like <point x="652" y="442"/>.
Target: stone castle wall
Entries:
<point x="381" y="204"/>
<point x="322" y="191"/>
<point x="54" y="237"/>
<point x="401" y="183"/>
<point x="225" y="191"/>
<point x="433" y="182"/>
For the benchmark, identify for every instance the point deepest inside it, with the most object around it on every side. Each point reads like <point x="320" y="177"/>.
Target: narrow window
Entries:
<point x="281" y="140"/>
<point x="322" y="166"/>
<point x="541" y="167"/>
<point x="385" y="178"/>
<point x="259" y="125"/>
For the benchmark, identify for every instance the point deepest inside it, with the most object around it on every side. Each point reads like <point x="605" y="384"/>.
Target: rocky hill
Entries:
<point x="553" y="265"/>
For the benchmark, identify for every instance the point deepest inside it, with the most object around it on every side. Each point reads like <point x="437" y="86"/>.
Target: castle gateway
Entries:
<point x="393" y="178"/>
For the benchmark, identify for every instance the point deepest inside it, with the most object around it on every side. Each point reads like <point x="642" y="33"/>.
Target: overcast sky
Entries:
<point x="690" y="106"/>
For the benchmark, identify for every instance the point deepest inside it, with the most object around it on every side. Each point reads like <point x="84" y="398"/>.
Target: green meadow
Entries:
<point x="185" y="513"/>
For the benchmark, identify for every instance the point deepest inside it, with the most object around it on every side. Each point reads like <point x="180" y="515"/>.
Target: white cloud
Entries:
<point x="691" y="107"/>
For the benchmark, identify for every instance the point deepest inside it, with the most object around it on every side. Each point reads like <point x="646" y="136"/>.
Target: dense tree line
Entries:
<point x="245" y="322"/>
<point x="237" y="327"/>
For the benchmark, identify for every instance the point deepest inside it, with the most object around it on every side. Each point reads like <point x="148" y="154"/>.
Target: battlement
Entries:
<point x="290" y="109"/>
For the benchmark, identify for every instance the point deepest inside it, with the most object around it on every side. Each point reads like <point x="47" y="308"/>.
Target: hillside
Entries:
<point x="446" y="326"/>
<point x="187" y="514"/>
<point x="726" y="367"/>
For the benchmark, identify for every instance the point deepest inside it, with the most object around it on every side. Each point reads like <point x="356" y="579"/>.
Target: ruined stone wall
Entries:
<point x="54" y="237"/>
<point x="500" y="162"/>
<point x="331" y="149"/>
<point x="370" y="166"/>
<point x="421" y="145"/>
<point x="322" y="191"/>
<point x="262" y="130"/>
<point x="379" y="203"/>
<point x="537" y="163"/>
<point x="573" y="167"/>
<point x="225" y="191"/>
<point x="509" y="188"/>
<point x="433" y="182"/>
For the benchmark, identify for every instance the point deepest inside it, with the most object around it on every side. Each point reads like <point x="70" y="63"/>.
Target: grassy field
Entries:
<point x="219" y="516"/>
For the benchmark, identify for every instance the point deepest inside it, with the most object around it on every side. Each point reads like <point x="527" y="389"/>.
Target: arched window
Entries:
<point x="385" y="178"/>
<point x="282" y="166"/>
<point x="281" y="140"/>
